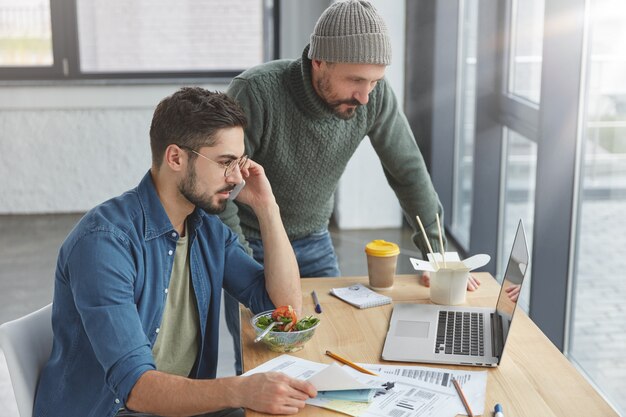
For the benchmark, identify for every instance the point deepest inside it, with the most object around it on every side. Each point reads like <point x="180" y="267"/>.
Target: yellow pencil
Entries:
<point x="350" y="364"/>
<point x="463" y="399"/>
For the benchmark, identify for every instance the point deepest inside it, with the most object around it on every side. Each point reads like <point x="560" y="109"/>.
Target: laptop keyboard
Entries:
<point x="460" y="333"/>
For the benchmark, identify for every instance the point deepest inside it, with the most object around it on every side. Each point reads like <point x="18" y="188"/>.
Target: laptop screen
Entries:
<point x="511" y="288"/>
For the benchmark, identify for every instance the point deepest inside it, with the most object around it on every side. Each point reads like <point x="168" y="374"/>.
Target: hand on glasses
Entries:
<point x="258" y="192"/>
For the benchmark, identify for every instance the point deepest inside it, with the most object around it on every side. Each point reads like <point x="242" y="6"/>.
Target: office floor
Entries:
<point x="28" y="250"/>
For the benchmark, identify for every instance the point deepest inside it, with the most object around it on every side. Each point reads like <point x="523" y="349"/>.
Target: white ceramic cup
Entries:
<point x="448" y="284"/>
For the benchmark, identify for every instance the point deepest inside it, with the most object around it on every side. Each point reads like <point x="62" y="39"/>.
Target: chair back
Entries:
<point x="27" y="343"/>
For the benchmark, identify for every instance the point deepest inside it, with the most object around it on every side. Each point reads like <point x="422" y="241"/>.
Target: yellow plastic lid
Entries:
<point x="382" y="248"/>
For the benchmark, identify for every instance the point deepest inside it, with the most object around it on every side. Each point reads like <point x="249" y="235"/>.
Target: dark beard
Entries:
<point x="345" y="115"/>
<point x="187" y="187"/>
<point x="333" y="106"/>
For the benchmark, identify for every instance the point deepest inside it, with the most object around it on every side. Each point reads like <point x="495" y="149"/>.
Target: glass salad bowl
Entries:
<point x="281" y="341"/>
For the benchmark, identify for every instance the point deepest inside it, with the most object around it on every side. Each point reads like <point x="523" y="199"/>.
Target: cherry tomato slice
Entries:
<point x="285" y="315"/>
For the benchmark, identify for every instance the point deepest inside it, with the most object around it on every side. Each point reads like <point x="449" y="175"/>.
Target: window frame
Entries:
<point x="66" y="53"/>
<point x="552" y="125"/>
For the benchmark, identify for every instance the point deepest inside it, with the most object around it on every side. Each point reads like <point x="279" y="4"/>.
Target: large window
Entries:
<point x="518" y="189"/>
<point x="526" y="48"/>
<point x="465" y="123"/>
<point x="598" y="322"/>
<point x="133" y="39"/>
<point x="25" y="33"/>
<point x="549" y="147"/>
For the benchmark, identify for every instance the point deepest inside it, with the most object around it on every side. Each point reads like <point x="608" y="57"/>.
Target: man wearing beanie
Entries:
<point x="306" y="119"/>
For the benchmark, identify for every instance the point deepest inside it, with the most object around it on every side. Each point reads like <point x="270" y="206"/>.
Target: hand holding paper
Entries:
<point x="275" y="393"/>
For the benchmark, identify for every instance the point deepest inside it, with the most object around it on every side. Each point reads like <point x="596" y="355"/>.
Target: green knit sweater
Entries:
<point x="304" y="149"/>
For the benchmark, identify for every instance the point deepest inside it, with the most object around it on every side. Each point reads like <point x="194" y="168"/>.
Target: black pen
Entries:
<point x="318" y="307"/>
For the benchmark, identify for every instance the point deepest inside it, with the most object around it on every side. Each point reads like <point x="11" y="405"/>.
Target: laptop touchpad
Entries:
<point x="409" y="328"/>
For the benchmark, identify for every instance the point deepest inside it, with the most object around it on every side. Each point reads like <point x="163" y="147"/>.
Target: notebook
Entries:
<point x="360" y="296"/>
<point x="459" y="335"/>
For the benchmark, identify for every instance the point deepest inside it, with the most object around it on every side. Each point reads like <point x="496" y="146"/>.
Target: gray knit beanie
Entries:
<point x="351" y="31"/>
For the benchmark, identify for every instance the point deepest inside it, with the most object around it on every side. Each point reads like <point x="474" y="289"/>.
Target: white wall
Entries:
<point x="68" y="148"/>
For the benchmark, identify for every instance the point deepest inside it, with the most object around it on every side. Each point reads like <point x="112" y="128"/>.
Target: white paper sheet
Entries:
<point x="335" y="378"/>
<point x="323" y="377"/>
<point x="289" y="365"/>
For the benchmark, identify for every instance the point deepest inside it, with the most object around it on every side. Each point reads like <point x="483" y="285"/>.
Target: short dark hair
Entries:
<point x="190" y="117"/>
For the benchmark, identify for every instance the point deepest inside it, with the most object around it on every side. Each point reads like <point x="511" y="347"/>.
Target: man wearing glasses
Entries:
<point x="139" y="279"/>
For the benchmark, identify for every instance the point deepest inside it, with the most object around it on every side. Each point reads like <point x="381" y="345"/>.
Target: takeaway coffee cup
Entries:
<point x="448" y="284"/>
<point x="382" y="257"/>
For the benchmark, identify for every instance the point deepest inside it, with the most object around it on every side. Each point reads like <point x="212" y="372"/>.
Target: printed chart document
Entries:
<point x="405" y="397"/>
<point x="395" y="395"/>
<point x="474" y="383"/>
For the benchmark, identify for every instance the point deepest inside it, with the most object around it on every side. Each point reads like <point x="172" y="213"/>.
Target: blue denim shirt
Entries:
<point x="109" y="295"/>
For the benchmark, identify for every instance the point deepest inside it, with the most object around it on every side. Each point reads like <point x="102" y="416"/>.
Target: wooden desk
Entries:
<point x="534" y="378"/>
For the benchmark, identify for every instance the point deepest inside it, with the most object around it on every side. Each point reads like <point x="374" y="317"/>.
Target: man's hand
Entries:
<point x="258" y="192"/>
<point x="164" y="394"/>
<point x="472" y="282"/>
<point x="282" y="276"/>
<point x="275" y="393"/>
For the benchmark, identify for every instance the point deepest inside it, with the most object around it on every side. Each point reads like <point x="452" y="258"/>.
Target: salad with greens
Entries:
<point x="288" y="334"/>
<point x="287" y="320"/>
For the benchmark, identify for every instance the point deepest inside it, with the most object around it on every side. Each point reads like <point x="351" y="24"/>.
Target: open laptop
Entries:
<point x="459" y="335"/>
